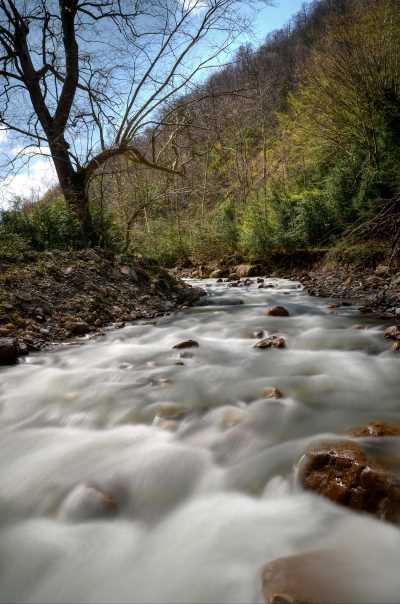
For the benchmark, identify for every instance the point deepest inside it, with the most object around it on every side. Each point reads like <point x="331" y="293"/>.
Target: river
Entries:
<point x="131" y="471"/>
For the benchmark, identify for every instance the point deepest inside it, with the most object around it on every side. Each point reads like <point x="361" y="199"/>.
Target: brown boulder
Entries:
<point x="271" y="342"/>
<point x="186" y="344"/>
<point x="8" y="351"/>
<point x="310" y="578"/>
<point x="342" y="472"/>
<point x="277" y="311"/>
<point x="246" y="270"/>
<point x="218" y="273"/>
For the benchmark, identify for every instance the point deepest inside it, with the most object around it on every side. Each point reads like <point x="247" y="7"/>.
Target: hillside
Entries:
<point x="292" y="146"/>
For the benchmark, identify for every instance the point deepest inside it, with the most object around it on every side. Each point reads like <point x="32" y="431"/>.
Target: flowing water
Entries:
<point x="197" y="465"/>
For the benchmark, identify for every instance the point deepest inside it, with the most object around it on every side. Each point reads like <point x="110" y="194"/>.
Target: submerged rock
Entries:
<point x="277" y="311"/>
<point x="272" y="393"/>
<point x="271" y="342"/>
<point x="168" y="411"/>
<point x="86" y="502"/>
<point x="232" y="417"/>
<point x="342" y="472"/>
<point x="186" y="344"/>
<point x="377" y="429"/>
<point x="8" y="351"/>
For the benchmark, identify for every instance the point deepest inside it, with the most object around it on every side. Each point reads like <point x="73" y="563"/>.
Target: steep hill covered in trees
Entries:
<point x="293" y="145"/>
<point x="305" y="146"/>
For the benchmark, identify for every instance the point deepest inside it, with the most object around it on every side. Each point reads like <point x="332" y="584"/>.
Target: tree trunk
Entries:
<point x="73" y="186"/>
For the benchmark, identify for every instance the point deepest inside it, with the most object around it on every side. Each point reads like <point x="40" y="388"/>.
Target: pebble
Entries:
<point x="271" y="342"/>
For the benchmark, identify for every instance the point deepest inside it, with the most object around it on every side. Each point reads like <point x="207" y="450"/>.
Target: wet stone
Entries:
<point x="273" y="393"/>
<point x="342" y="472"/>
<point x="377" y="429"/>
<point x="186" y="344"/>
<point x="168" y="411"/>
<point x="271" y="342"/>
<point x="277" y="311"/>
<point x="310" y="578"/>
<point x="392" y="333"/>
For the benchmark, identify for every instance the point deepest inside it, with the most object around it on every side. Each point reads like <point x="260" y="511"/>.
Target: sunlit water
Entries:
<point x="204" y="500"/>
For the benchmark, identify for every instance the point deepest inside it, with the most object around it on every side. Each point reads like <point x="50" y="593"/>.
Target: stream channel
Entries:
<point x="131" y="471"/>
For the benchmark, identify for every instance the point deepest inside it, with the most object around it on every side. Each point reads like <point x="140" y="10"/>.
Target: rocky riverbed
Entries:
<point x="52" y="297"/>
<point x="375" y="290"/>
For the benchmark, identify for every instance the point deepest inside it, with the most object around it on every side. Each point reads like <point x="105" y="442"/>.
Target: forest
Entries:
<point x="292" y="145"/>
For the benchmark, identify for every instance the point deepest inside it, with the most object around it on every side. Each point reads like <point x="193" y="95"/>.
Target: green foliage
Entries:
<point x="256" y="234"/>
<point x="108" y="230"/>
<point x="41" y="225"/>
<point x="12" y="245"/>
<point x="359" y="255"/>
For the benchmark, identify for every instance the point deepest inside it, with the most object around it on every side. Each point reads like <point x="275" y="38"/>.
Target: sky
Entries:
<point x="39" y="175"/>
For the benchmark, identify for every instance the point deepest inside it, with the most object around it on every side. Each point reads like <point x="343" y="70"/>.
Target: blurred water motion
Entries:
<point x="135" y="472"/>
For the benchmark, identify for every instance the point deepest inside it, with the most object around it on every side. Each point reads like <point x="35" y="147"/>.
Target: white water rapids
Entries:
<point x="203" y="503"/>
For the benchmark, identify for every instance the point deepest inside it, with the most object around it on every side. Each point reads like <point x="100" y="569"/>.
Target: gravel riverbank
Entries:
<point x="52" y="297"/>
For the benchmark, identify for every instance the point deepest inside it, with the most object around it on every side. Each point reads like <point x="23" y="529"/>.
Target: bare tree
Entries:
<point x="83" y="79"/>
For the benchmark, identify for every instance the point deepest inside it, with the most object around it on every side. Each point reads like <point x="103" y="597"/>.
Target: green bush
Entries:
<point x="12" y="245"/>
<point x="43" y="225"/>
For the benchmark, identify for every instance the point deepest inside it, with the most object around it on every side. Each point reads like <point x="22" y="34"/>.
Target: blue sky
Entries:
<point x="274" y="17"/>
<point x="40" y="174"/>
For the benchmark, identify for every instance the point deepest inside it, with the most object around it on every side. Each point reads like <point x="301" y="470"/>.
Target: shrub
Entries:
<point x="43" y="225"/>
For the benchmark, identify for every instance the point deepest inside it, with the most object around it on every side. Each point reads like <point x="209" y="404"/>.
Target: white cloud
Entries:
<point x="33" y="181"/>
<point x="31" y="151"/>
<point x="3" y="136"/>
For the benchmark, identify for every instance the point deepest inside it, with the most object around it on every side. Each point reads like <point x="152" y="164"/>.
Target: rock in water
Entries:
<point x="392" y="333"/>
<point x="86" y="502"/>
<point x="311" y="578"/>
<point x="8" y="351"/>
<point x="377" y="429"/>
<point x="271" y="342"/>
<point x="186" y="344"/>
<point x="272" y="393"/>
<point x="277" y="311"/>
<point x="342" y="472"/>
<point x="167" y="410"/>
